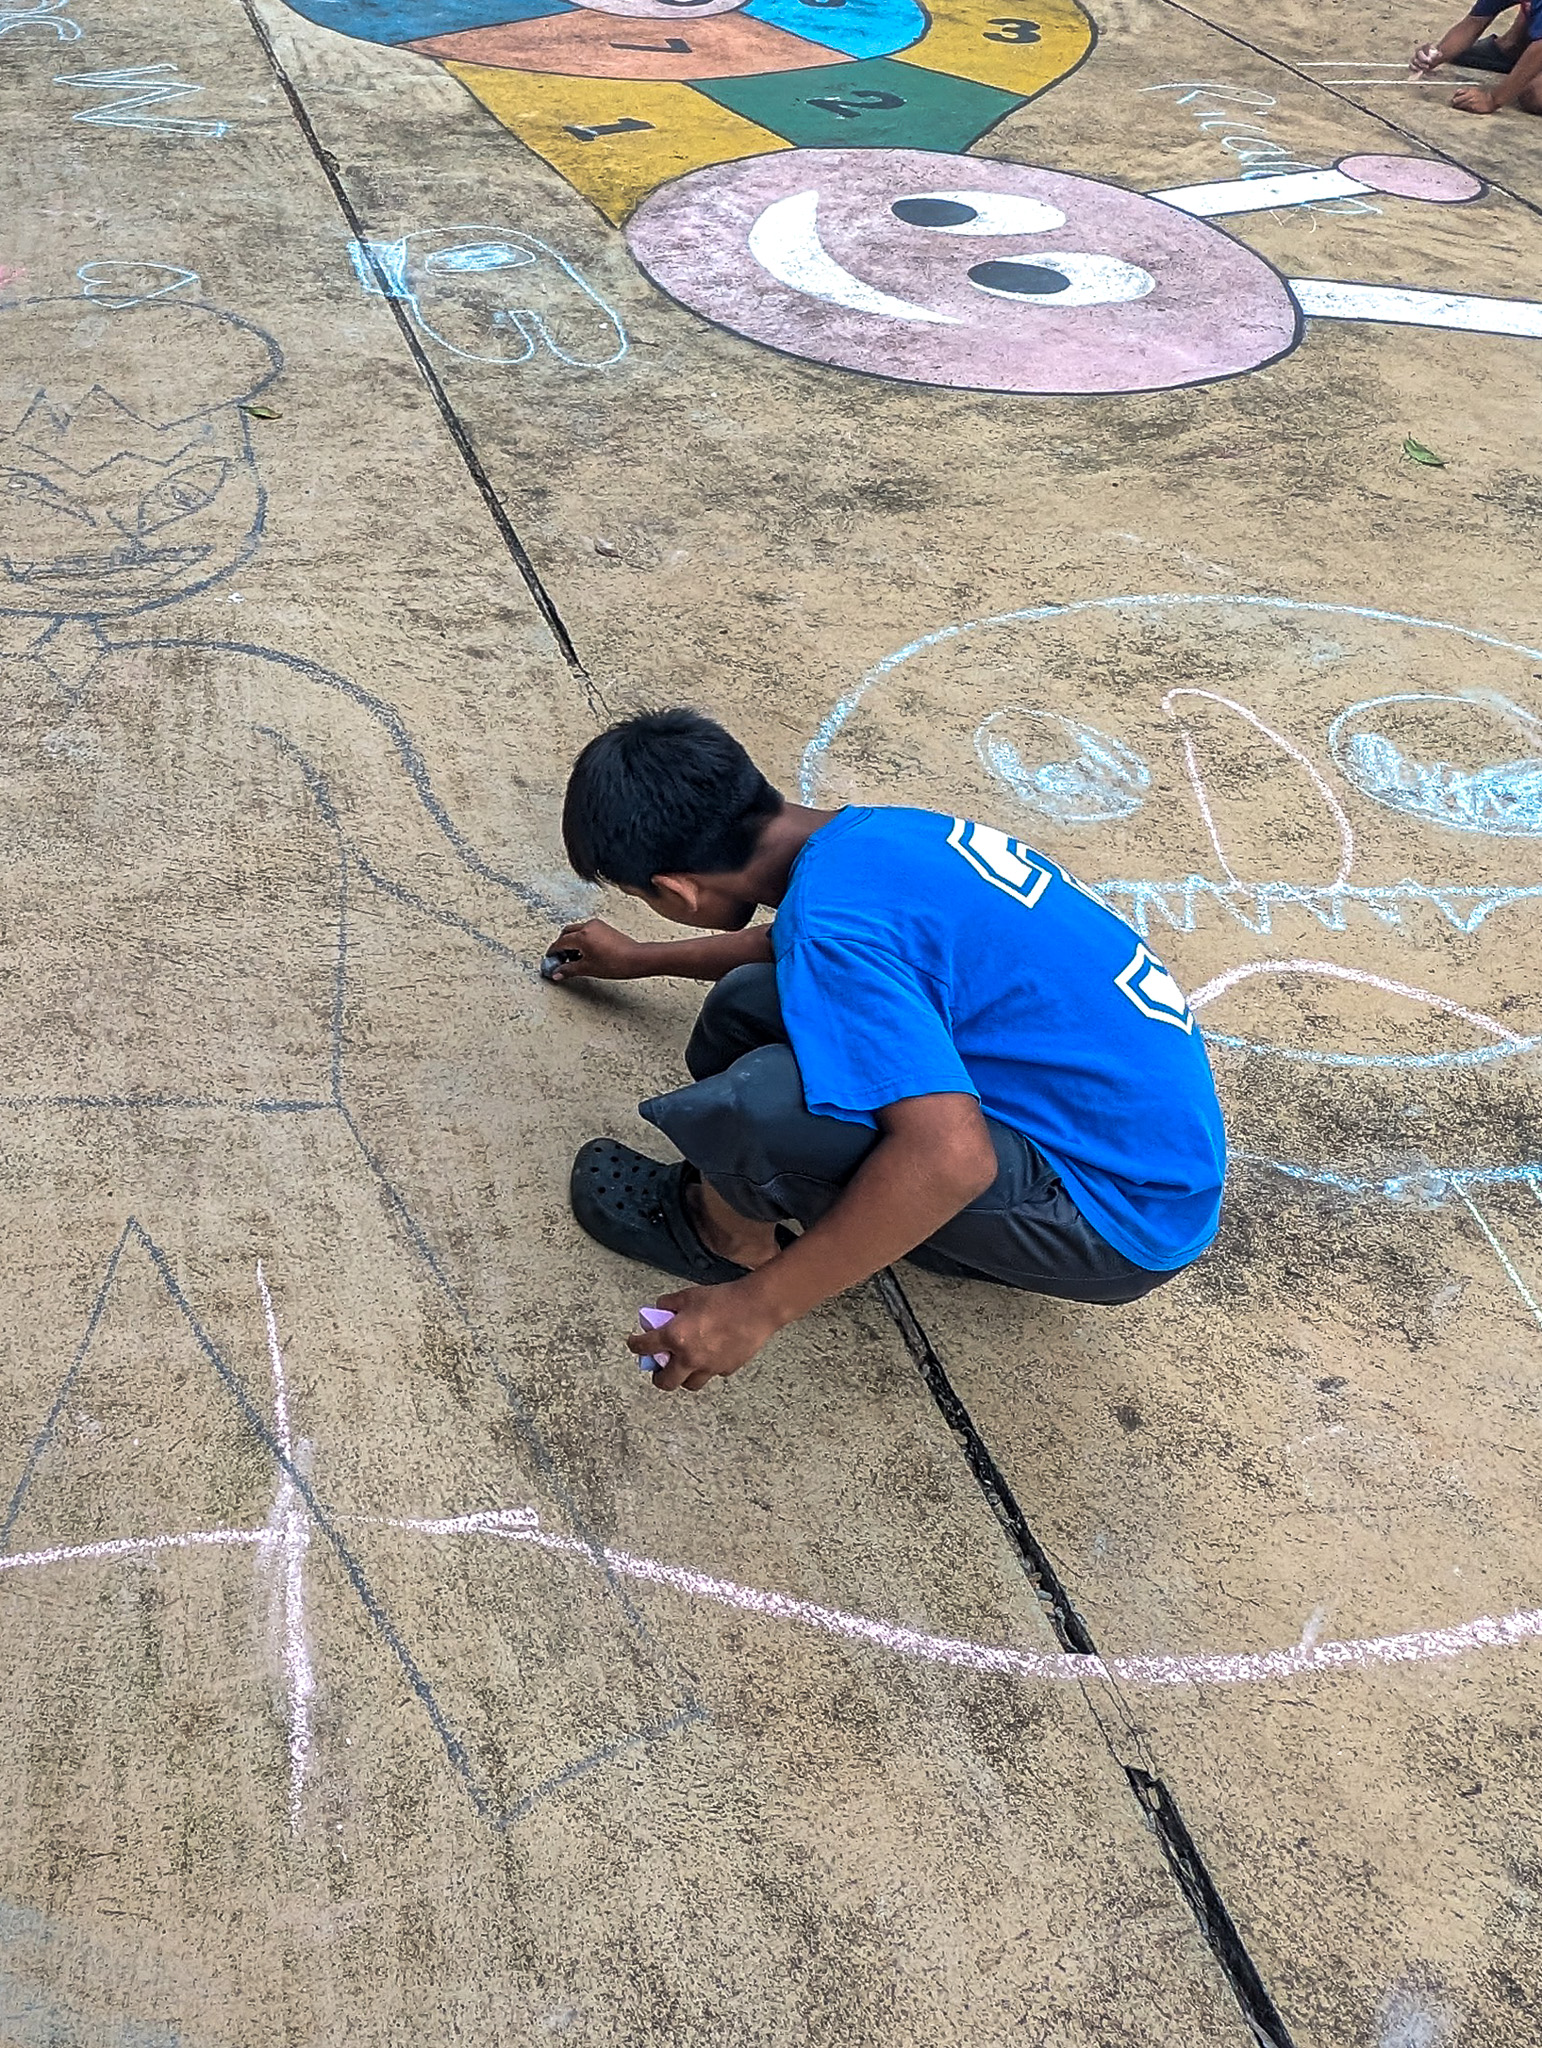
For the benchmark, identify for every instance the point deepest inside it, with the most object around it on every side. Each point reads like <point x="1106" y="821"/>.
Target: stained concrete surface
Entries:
<point x="276" y="892"/>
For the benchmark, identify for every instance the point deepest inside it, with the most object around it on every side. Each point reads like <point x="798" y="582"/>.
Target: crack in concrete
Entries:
<point x="455" y="426"/>
<point x="1115" y="1723"/>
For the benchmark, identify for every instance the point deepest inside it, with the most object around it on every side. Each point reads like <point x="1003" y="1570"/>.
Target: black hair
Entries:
<point x="669" y="793"/>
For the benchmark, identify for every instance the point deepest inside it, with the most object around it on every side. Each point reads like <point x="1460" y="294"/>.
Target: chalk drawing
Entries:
<point x="1503" y="798"/>
<point x="1332" y="969"/>
<point x="156" y="387"/>
<point x="276" y="1537"/>
<point x="1239" y="112"/>
<point x="1304" y="761"/>
<point x="797" y="174"/>
<point x="123" y="284"/>
<point x="291" y="1531"/>
<point x="47" y="15"/>
<point x="1310" y="1658"/>
<point x="1102" y="779"/>
<point x="1180" y="903"/>
<point x="139" y="88"/>
<point x="1465" y="312"/>
<point x="1465" y="907"/>
<point x="494" y="295"/>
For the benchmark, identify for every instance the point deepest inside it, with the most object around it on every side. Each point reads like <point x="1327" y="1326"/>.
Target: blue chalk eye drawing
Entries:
<point x="1101" y="781"/>
<point x="489" y="256"/>
<point x="1502" y="799"/>
<point x="175" y="497"/>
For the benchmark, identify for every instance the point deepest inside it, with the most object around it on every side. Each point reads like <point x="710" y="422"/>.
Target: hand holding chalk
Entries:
<point x="654" y="1319"/>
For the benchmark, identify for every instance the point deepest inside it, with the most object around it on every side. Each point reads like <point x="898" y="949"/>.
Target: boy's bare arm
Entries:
<point x="596" y="950"/>
<point x="934" y="1158"/>
<point x="1456" y="42"/>
<point x="1476" y="99"/>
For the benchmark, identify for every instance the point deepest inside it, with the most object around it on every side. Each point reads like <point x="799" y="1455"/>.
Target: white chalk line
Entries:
<point x="1335" y="972"/>
<point x="290" y="1528"/>
<point x="1500" y="1253"/>
<point x="519" y="1525"/>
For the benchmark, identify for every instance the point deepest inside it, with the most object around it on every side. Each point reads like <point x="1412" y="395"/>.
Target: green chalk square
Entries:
<point x="936" y="111"/>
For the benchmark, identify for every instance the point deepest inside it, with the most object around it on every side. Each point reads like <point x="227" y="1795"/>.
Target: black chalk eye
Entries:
<point x="933" y="213"/>
<point x="1019" y="280"/>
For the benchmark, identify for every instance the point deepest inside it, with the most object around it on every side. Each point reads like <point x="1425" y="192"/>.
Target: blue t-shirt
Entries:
<point x="1532" y="16"/>
<point x="924" y="955"/>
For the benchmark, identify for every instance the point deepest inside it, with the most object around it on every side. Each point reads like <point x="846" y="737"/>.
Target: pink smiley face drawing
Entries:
<point x="958" y="270"/>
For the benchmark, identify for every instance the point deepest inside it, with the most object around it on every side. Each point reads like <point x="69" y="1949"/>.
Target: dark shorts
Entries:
<point x="744" y="1125"/>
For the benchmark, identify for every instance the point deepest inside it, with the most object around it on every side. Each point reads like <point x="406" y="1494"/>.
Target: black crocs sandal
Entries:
<point x="635" y="1205"/>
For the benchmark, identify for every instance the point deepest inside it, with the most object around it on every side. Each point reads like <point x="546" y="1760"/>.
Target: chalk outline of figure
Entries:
<point x="386" y="269"/>
<point x="189" y="570"/>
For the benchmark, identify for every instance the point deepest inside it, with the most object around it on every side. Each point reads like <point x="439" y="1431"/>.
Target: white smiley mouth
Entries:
<point x="785" y="242"/>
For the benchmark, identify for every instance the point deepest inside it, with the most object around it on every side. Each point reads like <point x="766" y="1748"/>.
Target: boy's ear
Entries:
<point x="674" y="894"/>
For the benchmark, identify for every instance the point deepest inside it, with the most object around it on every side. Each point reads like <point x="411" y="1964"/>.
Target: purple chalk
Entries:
<point x="654" y="1319"/>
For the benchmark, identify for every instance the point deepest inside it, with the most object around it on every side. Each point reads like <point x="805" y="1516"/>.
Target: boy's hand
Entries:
<point x="1472" y="99"/>
<point x="598" y="950"/>
<point x="715" y="1331"/>
<point x="1427" y="57"/>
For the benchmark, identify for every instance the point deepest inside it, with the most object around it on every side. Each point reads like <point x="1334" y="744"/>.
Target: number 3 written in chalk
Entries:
<point x="1012" y="30"/>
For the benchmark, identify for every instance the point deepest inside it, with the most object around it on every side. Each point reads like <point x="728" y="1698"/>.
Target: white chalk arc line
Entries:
<point x="1334" y="972"/>
<point x="1246" y="1667"/>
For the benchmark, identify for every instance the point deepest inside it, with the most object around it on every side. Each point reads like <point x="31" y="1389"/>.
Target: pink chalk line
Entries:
<point x="1197" y="782"/>
<point x="289" y="1531"/>
<point x="1240" y="1668"/>
<point x="518" y="1525"/>
<point x="1330" y="968"/>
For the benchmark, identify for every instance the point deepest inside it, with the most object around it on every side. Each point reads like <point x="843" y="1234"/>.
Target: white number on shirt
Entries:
<point x="1005" y="862"/>
<point x="1153" y="991"/>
